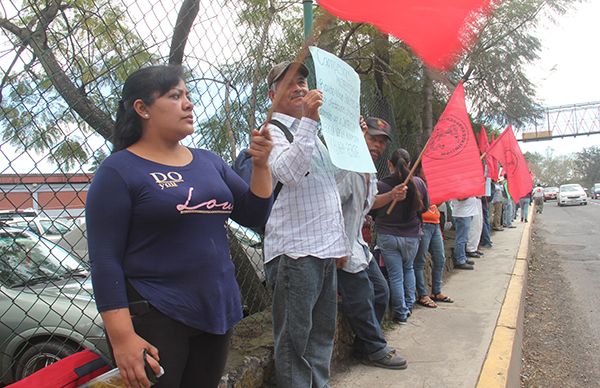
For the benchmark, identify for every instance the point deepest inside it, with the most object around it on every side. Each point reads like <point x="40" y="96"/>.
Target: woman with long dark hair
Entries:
<point x="156" y="214"/>
<point x="399" y="232"/>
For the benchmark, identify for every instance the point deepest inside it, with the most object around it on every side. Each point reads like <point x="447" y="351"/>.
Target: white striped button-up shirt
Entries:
<point x="357" y="193"/>
<point x="306" y="219"/>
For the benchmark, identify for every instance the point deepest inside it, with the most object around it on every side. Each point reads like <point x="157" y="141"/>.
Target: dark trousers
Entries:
<point x="190" y="357"/>
<point x="486" y="230"/>
<point x="364" y="299"/>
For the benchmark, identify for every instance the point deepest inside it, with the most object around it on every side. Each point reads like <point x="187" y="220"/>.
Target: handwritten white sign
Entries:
<point x="340" y="112"/>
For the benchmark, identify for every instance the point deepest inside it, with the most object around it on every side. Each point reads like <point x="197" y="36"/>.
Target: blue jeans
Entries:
<point x="462" y="225"/>
<point x="399" y="256"/>
<point x="432" y="238"/>
<point x="486" y="240"/>
<point x="364" y="299"/>
<point x="507" y="215"/>
<point x="524" y="203"/>
<point x="304" y="317"/>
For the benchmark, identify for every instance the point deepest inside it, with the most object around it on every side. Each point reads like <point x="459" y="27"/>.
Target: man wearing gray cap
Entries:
<point x="304" y="236"/>
<point x="364" y="290"/>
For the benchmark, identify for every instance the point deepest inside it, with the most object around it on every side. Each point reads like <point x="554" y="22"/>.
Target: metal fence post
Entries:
<point x="308" y="17"/>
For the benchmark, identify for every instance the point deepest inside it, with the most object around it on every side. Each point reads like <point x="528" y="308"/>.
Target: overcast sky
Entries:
<point x="569" y="70"/>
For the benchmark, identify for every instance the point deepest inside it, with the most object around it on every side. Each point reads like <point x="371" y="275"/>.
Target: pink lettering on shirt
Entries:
<point x="210" y="206"/>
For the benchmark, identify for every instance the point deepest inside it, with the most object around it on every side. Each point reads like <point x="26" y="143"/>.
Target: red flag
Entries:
<point x="436" y="30"/>
<point x="451" y="161"/>
<point x="507" y="151"/>
<point x="483" y="140"/>
<point x="492" y="163"/>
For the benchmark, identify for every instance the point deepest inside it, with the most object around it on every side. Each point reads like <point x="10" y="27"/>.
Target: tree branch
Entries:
<point x="6" y="75"/>
<point x="36" y="40"/>
<point x="351" y="32"/>
<point x="187" y="14"/>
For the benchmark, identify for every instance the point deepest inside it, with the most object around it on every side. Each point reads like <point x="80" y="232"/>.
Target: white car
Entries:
<point x="571" y="194"/>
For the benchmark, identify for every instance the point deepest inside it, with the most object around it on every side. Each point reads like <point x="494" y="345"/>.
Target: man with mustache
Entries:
<point x="304" y="236"/>
<point x="361" y="284"/>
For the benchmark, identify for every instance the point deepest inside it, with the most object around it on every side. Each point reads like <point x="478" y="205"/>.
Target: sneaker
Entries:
<point x="400" y="320"/>
<point x="473" y="254"/>
<point x="390" y="361"/>
<point x="463" y="266"/>
<point x="470" y="262"/>
<point x="487" y="246"/>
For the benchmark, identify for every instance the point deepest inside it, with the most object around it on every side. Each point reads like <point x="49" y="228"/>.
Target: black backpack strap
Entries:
<point x="284" y="129"/>
<point x="290" y="138"/>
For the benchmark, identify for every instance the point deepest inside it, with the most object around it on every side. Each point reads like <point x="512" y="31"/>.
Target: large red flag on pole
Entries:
<point x="506" y="150"/>
<point x="436" y="30"/>
<point x="451" y="161"/>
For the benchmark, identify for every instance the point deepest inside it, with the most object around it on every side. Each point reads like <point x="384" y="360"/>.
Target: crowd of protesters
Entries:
<point x="329" y="237"/>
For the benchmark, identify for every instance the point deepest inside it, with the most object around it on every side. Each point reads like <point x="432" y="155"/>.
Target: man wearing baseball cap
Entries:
<point x="304" y="236"/>
<point x="364" y="290"/>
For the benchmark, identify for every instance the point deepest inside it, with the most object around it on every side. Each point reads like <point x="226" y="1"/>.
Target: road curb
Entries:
<point x="502" y="365"/>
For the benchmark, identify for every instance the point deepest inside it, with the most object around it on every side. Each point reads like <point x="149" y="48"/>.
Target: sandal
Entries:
<point x="441" y="298"/>
<point x="426" y="302"/>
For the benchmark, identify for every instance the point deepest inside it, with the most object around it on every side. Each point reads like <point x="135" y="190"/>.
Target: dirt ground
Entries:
<point x="555" y="346"/>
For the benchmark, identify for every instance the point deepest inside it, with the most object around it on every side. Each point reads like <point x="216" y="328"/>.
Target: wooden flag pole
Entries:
<point x="410" y="175"/>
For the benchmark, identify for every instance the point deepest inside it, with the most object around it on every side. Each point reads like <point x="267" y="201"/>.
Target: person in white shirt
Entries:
<point x="463" y="211"/>
<point x="304" y="236"/>
<point x="364" y="290"/>
<point x="538" y="199"/>
<point x="475" y="231"/>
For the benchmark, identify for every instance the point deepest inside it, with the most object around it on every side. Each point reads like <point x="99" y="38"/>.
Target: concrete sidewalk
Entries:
<point x="449" y="346"/>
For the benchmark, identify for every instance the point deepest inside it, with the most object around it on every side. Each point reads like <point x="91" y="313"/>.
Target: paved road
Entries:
<point x="574" y="233"/>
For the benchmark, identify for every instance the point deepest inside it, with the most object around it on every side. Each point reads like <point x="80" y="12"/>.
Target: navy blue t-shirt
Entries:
<point x="163" y="228"/>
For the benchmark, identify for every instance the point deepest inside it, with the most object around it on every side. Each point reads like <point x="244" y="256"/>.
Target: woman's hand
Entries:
<point x="261" y="181"/>
<point x="260" y="147"/>
<point x="129" y="353"/>
<point x="399" y="192"/>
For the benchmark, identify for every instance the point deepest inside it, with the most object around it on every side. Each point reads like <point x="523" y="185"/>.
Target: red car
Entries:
<point x="550" y="193"/>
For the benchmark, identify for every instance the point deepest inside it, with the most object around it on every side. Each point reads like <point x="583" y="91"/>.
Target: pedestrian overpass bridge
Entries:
<point x="565" y="121"/>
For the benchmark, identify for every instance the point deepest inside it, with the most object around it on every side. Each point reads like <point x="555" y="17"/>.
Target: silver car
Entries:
<point x="47" y="311"/>
<point x="52" y="229"/>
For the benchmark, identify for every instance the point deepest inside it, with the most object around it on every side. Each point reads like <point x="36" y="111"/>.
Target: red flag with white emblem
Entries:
<point x="508" y="153"/>
<point x="451" y="161"/>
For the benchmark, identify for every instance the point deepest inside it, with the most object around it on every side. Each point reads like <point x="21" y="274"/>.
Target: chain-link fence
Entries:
<point x="63" y="64"/>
